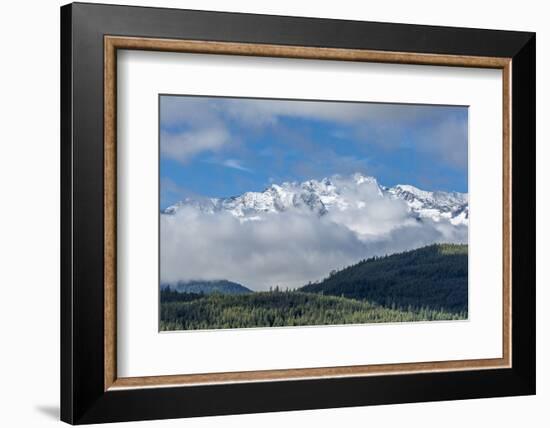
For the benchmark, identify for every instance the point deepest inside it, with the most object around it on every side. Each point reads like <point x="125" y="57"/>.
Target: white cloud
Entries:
<point x="373" y="215"/>
<point x="183" y="145"/>
<point x="385" y="125"/>
<point x="447" y="138"/>
<point x="264" y="112"/>
<point x="293" y="247"/>
<point x="187" y="110"/>
<point x="235" y="164"/>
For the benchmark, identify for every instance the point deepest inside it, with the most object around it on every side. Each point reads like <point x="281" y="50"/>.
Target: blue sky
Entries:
<point x="226" y="146"/>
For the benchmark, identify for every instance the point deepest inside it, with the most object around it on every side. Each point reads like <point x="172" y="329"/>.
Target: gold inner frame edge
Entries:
<point x="113" y="43"/>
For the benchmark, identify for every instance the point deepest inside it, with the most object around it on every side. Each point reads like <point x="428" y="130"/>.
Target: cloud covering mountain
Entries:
<point x="294" y="233"/>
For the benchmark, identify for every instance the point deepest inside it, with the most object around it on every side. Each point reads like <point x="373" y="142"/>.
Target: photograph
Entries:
<point x="273" y="211"/>
<point x="276" y="214"/>
<point x="289" y="212"/>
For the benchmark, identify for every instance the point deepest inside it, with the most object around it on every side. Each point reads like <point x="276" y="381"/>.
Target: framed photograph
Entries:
<point x="266" y="213"/>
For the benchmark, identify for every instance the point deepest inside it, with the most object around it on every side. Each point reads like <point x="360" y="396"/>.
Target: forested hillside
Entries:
<point x="426" y="284"/>
<point x="434" y="277"/>
<point x="190" y="311"/>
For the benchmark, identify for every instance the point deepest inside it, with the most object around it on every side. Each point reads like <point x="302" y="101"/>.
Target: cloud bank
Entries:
<point x="291" y="248"/>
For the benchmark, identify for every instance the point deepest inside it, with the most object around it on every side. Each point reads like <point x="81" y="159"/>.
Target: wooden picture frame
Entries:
<point x="91" y="390"/>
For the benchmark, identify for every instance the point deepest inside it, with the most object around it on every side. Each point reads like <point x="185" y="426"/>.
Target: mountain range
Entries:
<point x="333" y="194"/>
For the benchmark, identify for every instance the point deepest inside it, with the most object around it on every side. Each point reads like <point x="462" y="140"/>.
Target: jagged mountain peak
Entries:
<point x="332" y="193"/>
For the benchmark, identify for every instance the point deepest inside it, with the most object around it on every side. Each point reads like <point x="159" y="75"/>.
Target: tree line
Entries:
<point x="186" y="311"/>
<point x="426" y="284"/>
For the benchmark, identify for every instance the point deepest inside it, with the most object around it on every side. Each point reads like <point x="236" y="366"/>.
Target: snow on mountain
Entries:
<point x="292" y="232"/>
<point x="334" y="194"/>
<point x="452" y="206"/>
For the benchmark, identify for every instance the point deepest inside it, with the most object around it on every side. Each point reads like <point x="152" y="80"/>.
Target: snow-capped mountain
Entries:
<point x="452" y="206"/>
<point x="334" y="194"/>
